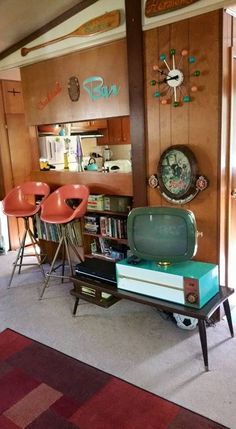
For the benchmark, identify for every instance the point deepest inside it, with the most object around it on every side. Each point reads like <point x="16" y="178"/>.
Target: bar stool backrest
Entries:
<point x="21" y="201"/>
<point x="67" y="203"/>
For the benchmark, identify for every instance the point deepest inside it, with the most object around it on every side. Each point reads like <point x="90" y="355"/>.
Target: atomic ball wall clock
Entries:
<point x="176" y="78"/>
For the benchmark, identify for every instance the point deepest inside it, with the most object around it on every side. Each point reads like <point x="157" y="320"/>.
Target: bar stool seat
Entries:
<point x="63" y="206"/>
<point x="22" y="202"/>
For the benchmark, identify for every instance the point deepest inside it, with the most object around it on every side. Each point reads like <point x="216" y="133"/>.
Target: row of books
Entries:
<point x="102" y="247"/>
<point x="51" y="232"/>
<point x="107" y="226"/>
<point x="113" y="227"/>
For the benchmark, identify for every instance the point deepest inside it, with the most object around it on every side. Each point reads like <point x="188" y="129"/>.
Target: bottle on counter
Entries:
<point x="107" y="153"/>
<point x="66" y="161"/>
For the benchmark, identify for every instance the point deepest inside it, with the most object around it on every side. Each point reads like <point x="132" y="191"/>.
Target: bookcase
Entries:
<point x="104" y="231"/>
<point x="118" y="184"/>
<point x="105" y="227"/>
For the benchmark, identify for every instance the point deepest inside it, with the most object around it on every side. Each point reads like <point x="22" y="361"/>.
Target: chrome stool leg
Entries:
<point x="17" y="258"/>
<point x="21" y="252"/>
<point x="66" y="254"/>
<point x="49" y="274"/>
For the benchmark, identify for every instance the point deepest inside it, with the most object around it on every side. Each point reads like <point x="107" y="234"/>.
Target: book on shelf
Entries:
<point x="91" y="224"/>
<point x="74" y="233"/>
<point x="102" y="248"/>
<point x="113" y="227"/>
<point x="51" y="231"/>
<point x="103" y="225"/>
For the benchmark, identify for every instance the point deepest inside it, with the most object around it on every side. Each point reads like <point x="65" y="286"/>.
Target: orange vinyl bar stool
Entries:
<point x="23" y="202"/>
<point x="67" y="204"/>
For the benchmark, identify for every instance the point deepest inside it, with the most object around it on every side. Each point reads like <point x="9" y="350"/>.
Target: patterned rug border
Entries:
<point x="115" y="377"/>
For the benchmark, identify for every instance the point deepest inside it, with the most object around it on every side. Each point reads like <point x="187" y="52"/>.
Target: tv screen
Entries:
<point x="163" y="234"/>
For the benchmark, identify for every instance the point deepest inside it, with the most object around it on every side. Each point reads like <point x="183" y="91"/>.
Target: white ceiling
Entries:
<point x="20" y="18"/>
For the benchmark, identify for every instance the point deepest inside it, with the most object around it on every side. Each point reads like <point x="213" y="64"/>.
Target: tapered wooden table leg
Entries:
<point x="228" y="316"/>
<point x="203" y="339"/>
<point x="75" y="306"/>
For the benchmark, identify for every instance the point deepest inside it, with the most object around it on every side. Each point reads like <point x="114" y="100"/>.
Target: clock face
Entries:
<point x="175" y="78"/>
<point x="177" y="170"/>
<point x="176" y="81"/>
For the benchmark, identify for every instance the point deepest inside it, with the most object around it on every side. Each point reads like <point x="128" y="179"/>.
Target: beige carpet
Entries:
<point x="129" y="340"/>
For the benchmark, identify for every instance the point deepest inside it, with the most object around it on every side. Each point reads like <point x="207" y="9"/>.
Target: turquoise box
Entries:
<point x="190" y="283"/>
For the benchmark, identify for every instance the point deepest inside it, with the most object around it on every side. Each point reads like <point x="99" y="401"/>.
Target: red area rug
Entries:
<point x="41" y="388"/>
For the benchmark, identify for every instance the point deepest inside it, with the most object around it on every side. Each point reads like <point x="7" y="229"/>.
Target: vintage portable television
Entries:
<point x="165" y="240"/>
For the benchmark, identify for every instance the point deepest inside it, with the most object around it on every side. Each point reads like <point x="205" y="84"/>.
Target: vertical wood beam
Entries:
<point x="136" y="99"/>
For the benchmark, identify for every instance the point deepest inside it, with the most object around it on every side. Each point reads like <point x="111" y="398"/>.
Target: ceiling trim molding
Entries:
<point x="82" y="4"/>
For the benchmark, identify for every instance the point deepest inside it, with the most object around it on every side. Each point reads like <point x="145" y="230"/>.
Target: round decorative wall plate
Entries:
<point x="176" y="80"/>
<point x="177" y="177"/>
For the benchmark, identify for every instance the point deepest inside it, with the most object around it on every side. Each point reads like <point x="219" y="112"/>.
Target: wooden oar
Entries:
<point x="100" y="24"/>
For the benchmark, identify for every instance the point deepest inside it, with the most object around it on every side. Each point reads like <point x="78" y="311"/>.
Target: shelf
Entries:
<point x="100" y="256"/>
<point x="106" y="237"/>
<point x="108" y="212"/>
<point x="97" y="299"/>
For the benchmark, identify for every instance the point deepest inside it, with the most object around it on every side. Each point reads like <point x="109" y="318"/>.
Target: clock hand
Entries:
<point x="168" y="78"/>
<point x="161" y="71"/>
<point x="175" y="95"/>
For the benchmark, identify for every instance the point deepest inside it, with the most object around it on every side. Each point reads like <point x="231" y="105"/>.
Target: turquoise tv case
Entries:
<point x="190" y="283"/>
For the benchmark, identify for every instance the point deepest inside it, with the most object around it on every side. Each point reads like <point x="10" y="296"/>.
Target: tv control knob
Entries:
<point x="192" y="298"/>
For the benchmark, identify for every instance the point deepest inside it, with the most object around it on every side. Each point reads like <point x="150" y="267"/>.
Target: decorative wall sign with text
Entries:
<point x="176" y="80"/>
<point x="177" y="177"/>
<point x="94" y="86"/>
<point x="45" y="100"/>
<point x="157" y="7"/>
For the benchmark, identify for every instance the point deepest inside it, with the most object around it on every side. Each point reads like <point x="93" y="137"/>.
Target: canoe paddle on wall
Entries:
<point x="97" y="25"/>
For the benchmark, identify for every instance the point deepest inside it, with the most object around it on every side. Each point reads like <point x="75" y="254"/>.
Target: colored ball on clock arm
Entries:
<point x="174" y="83"/>
<point x="184" y="52"/>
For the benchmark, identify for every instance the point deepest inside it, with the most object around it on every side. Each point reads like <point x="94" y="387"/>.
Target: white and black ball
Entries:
<point x="185" y="322"/>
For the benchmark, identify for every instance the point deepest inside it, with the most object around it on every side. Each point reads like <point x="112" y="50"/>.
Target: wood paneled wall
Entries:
<point x="45" y="86"/>
<point x="17" y="156"/>
<point x="195" y="124"/>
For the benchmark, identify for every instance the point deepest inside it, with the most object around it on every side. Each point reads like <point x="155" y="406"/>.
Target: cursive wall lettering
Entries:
<point x="93" y="85"/>
<point x="50" y="95"/>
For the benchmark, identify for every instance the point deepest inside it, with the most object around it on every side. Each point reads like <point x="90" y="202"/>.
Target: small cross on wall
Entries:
<point x="14" y="92"/>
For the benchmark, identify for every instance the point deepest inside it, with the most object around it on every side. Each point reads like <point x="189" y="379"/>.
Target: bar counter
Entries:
<point x="98" y="182"/>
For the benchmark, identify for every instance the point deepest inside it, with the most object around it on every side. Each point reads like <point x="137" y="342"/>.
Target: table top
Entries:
<point x="202" y="313"/>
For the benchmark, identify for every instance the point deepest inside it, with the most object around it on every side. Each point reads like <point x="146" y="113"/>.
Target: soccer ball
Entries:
<point x="185" y="322"/>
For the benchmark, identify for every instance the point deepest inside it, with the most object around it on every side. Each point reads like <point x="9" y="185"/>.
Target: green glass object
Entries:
<point x="191" y="60"/>
<point x="157" y="94"/>
<point x="186" y="99"/>
<point x="172" y="51"/>
<point x="162" y="57"/>
<point x="176" y="103"/>
<point x="153" y="82"/>
<point x="196" y="73"/>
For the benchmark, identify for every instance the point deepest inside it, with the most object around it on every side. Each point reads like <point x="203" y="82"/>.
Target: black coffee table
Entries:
<point x="203" y="314"/>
